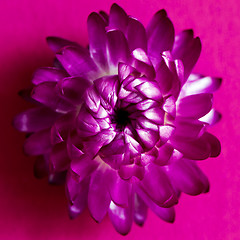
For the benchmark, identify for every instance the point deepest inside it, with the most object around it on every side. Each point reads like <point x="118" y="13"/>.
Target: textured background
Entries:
<point x="29" y="208"/>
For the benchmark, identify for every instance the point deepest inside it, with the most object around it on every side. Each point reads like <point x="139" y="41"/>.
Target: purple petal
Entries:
<point x="157" y="186"/>
<point x="127" y="171"/>
<point x="142" y="63"/>
<point x="56" y="43"/>
<point x="198" y="149"/>
<point x="92" y="99"/>
<point x="187" y="129"/>
<point x="166" y="214"/>
<point x="98" y="196"/>
<point x="35" y="119"/>
<point x="118" y="18"/>
<point x="46" y="94"/>
<point x="160" y="33"/>
<point x="148" y="137"/>
<point x="212" y="117"/>
<point x="188" y="49"/>
<point x="83" y="166"/>
<point x="105" y="17"/>
<point x="194" y="106"/>
<point x="214" y="144"/>
<point x="121" y="218"/>
<point x="58" y="178"/>
<point x="108" y="88"/>
<point x="77" y="193"/>
<point x="119" y="189"/>
<point x="136" y="35"/>
<point x="187" y="177"/>
<point x="164" y="154"/>
<point x="117" y="47"/>
<point x="202" y="85"/>
<point x="124" y="71"/>
<point x="59" y="158"/>
<point x="155" y="115"/>
<point x="140" y="210"/>
<point x="164" y="77"/>
<point x="78" y="62"/>
<point x="38" y="143"/>
<point x="73" y="88"/>
<point x="165" y="133"/>
<point x="97" y="39"/>
<point x="48" y="74"/>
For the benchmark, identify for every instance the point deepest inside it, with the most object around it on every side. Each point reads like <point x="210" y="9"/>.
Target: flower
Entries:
<point x="123" y="122"/>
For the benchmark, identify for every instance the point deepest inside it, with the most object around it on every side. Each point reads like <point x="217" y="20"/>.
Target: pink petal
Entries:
<point x="136" y="35"/>
<point x="46" y="93"/>
<point x="140" y="210"/>
<point x="187" y="177"/>
<point x="212" y="117"/>
<point x="35" y="119"/>
<point x="48" y="74"/>
<point x="187" y="48"/>
<point x="77" y="62"/>
<point x="73" y="88"/>
<point x="160" y="33"/>
<point x="97" y="39"/>
<point x="157" y="186"/>
<point x="57" y="43"/>
<point x="98" y="196"/>
<point x="121" y="218"/>
<point x="38" y="143"/>
<point x="118" y="18"/>
<point x="117" y="47"/>
<point x="194" y="106"/>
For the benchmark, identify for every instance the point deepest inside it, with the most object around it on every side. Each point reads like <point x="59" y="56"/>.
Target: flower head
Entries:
<point x="123" y="122"/>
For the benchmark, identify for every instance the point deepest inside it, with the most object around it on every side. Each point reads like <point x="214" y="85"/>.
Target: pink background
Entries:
<point x="30" y="208"/>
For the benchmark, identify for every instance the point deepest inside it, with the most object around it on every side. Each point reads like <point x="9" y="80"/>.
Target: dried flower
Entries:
<point x="123" y="122"/>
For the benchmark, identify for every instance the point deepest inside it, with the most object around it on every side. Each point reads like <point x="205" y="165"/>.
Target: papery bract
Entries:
<point x="123" y="122"/>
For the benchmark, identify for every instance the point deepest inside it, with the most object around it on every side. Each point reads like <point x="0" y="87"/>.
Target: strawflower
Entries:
<point x="123" y="121"/>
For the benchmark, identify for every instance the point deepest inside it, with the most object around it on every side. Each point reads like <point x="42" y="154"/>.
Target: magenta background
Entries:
<point x="30" y="208"/>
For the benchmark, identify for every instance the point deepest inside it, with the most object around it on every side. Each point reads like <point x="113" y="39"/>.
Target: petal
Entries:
<point x="160" y="33"/>
<point x="127" y="171"/>
<point x="98" y="196"/>
<point x="35" y="119"/>
<point x="157" y="186"/>
<point x="58" y="178"/>
<point x="73" y="88"/>
<point x="77" y="62"/>
<point x="117" y="47"/>
<point x="214" y="144"/>
<point x="76" y="193"/>
<point x="92" y="99"/>
<point x="164" y="78"/>
<point x="121" y="218"/>
<point x="119" y="189"/>
<point x="164" y="154"/>
<point x="83" y="166"/>
<point x="155" y="115"/>
<point x="211" y="118"/>
<point x="198" y="149"/>
<point x="108" y="88"/>
<point x="46" y="94"/>
<point x="56" y="43"/>
<point x="136" y="35"/>
<point x="97" y="39"/>
<point x="38" y="143"/>
<point x="188" y="49"/>
<point x="148" y="138"/>
<point x="194" y="106"/>
<point x="48" y="74"/>
<point x="166" y="214"/>
<point x="187" y="177"/>
<point x="140" y="210"/>
<point x="59" y="159"/>
<point x="118" y="18"/>
<point x="201" y="85"/>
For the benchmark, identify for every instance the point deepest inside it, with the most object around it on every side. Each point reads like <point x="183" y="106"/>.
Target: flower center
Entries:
<point x="121" y="118"/>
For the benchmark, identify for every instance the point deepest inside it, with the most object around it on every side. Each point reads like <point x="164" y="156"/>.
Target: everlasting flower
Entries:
<point x="123" y="122"/>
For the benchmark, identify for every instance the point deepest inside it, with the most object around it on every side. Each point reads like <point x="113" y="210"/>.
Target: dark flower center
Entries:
<point x="121" y="118"/>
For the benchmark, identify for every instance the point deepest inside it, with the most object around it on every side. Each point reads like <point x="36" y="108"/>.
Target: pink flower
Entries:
<point x="123" y="122"/>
